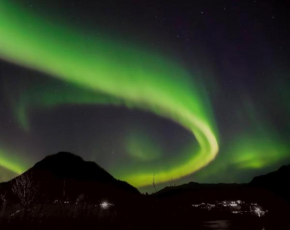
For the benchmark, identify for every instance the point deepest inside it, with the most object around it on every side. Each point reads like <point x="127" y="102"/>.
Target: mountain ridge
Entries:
<point x="276" y="182"/>
<point x="67" y="176"/>
<point x="65" y="169"/>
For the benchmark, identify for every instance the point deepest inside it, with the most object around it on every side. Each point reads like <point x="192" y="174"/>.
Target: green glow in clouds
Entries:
<point x="140" y="146"/>
<point x="133" y="77"/>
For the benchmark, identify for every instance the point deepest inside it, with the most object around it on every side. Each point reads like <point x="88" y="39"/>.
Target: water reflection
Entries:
<point x="230" y="225"/>
<point x="217" y="224"/>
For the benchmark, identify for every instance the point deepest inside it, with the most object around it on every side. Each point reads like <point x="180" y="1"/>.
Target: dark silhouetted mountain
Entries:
<point x="193" y="186"/>
<point x="270" y="190"/>
<point x="197" y="192"/>
<point x="64" y="181"/>
<point x="68" y="165"/>
<point x="277" y="182"/>
<point x="67" y="176"/>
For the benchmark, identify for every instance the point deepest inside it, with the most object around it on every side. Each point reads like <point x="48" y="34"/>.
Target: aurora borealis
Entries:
<point x="191" y="107"/>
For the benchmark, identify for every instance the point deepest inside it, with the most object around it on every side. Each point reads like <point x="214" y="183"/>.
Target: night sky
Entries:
<point x="177" y="91"/>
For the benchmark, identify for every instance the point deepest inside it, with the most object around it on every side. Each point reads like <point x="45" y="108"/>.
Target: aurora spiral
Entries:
<point x="111" y="73"/>
<point x="164" y="91"/>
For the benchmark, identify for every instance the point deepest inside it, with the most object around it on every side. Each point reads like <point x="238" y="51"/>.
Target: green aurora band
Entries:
<point x="6" y="162"/>
<point x="257" y="147"/>
<point x="111" y="73"/>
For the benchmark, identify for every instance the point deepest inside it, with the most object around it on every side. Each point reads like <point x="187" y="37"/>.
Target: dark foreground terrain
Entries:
<point x="65" y="192"/>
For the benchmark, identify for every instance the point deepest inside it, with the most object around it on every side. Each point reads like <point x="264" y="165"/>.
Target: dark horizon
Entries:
<point x="64" y="159"/>
<point x="65" y="191"/>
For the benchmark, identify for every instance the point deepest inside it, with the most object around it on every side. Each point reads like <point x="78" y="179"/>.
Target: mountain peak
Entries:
<point x="284" y="168"/>
<point x="65" y="175"/>
<point x="276" y="182"/>
<point x="69" y="165"/>
<point x="273" y="177"/>
<point x="60" y="158"/>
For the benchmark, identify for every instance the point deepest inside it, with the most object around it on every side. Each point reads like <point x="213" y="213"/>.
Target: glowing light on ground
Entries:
<point x="105" y="205"/>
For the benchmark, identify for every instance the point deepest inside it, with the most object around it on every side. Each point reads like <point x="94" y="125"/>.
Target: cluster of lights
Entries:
<point x="104" y="204"/>
<point x="61" y="201"/>
<point x="235" y="207"/>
